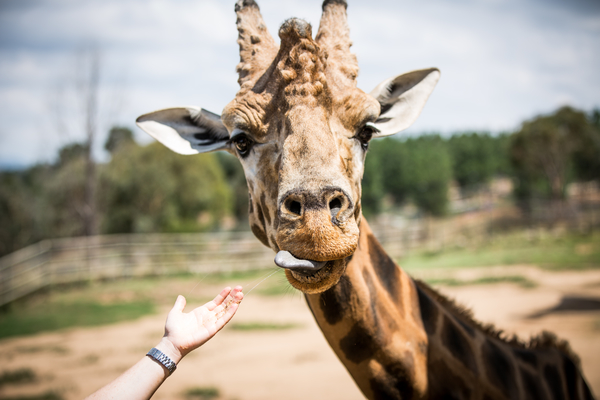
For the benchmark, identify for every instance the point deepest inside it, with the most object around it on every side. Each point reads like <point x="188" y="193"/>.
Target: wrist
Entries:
<point x="169" y="349"/>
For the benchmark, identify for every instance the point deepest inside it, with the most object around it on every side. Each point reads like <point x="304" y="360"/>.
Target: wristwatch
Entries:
<point x="162" y="359"/>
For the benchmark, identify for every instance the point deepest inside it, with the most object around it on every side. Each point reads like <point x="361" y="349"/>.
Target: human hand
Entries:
<point x="185" y="332"/>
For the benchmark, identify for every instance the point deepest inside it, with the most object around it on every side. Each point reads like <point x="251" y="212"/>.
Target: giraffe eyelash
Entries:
<point x="365" y="134"/>
<point x="241" y="141"/>
<point x="372" y="126"/>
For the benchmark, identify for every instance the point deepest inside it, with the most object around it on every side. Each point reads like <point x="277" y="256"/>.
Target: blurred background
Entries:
<point x="493" y="196"/>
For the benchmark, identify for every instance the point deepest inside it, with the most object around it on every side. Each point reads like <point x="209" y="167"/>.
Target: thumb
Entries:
<point x="179" y="304"/>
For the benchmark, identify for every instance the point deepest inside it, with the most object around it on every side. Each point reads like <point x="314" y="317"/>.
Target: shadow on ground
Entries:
<point x="570" y="304"/>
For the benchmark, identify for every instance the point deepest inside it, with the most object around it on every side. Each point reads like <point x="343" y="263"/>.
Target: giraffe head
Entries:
<point x="301" y="129"/>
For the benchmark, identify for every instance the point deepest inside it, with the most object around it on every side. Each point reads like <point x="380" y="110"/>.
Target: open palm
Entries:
<point x="188" y="331"/>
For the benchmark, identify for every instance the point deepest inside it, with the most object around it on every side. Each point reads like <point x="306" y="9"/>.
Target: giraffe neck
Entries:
<point x="466" y="360"/>
<point x="401" y="340"/>
<point x="370" y="320"/>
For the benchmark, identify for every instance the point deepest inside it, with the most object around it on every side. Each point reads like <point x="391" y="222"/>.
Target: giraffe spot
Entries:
<point x="400" y="374"/>
<point x="265" y="209"/>
<point x="445" y="384"/>
<point x="469" y="329"/>
<point x="358" y="345"/>
<point x="429" y="311"/>
<point x="260" y="234"/>
<point x="381" y="319"/>
<point x="273" y="241"/>
<point x="250" y="204"/>
<point x="387" y="271"/>
<point x="279" y="157"/>
<point x="382" y="390"/>
<point x="395" y="383"/>
<point x="527" y="356"/>
<point x="571" y="375"/>
<point x="554" y="382"/>
<point x="334" y="300"/>
<point x="357" y="211"/>
<point x="499" y="369"/>
<point x="372" y="296"/>
<point x="260" y="216"/>
<point x="457" y="343"/>
<point x="531" y="385"/>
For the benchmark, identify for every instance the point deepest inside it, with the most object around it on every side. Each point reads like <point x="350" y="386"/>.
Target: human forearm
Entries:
<point x="140" y="381"/>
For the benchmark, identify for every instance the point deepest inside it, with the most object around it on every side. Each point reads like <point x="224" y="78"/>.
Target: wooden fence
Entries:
<point x="69" y="260"/>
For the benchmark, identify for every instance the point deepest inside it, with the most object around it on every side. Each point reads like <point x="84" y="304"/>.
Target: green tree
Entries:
<point x="543" y="150"/>
<point x="17" y="213"/>
<point x="118" y="136"/>
<point x="372" y="183"/>
<point x="477" y="157"/>
<point x="417" y="169"/>
<point x="150" y="189"/>
<point x="44" y="201"/>
<point x="236" y="180"/>
<point x="64" y="200"/>
<point x="70" y="152"/>
<point x="384" y="174"/>
<point x="586" y="158"/>
<point x="429" y="173"/>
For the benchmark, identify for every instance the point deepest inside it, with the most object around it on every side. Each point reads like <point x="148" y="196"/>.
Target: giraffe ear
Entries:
<point x="402" y="98"/>
<point x="186" y="130"/>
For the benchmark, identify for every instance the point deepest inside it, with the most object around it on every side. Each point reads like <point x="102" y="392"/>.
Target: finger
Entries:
<point x="179" y="304"/>
<point x="229" y="302"/>
<point x="219" y="309"/>
<point x="226" y="316"/>
<point x="237" y="294"/>
<point x="218" y="300"/>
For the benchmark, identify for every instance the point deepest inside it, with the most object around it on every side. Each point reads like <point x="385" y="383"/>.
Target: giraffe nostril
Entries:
<point x="335" y="205"/>
<point x="294" y="207"/>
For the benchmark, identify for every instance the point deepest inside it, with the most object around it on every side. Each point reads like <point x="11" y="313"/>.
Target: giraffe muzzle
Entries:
<point x="317" y="226"/>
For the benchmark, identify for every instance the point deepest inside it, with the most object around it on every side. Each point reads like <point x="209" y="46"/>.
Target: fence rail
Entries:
<point x="70" y="260"/>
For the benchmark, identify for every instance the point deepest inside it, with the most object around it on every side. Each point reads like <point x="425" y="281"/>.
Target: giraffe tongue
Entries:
<point x="285" y="259"/>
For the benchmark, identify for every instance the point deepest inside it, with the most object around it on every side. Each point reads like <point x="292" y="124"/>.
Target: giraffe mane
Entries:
<point x="543" y="341"/>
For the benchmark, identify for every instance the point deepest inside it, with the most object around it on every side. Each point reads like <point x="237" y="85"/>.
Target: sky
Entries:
<point x="502" y="61"/>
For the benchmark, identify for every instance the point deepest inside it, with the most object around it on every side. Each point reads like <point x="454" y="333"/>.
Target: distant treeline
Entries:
<point x="151" y="189"/>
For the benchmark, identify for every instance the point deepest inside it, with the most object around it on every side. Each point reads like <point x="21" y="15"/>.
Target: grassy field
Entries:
<point x="202" y="393"/>
<point x="516" y="279"/>
<point x="109" y="302"/>
<point x="102" y="303"/>
<point x="59" y="315"/>
<point x="550" y="252"/>
<point x="260" y="326"/>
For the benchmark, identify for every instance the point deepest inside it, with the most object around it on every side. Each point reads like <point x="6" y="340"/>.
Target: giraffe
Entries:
<point x="301" y="129"/>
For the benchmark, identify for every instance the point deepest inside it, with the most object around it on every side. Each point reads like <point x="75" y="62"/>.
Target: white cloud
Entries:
<point x="502" y="61"/>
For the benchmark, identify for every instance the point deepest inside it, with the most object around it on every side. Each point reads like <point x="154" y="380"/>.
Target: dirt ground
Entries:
<point x="293" y="363"/>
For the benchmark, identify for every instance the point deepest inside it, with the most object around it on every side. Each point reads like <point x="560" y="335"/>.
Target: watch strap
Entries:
<point x="162" y="359"/>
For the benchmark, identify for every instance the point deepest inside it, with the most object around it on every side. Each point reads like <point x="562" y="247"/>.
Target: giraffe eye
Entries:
<point x="365" y="134"/>
<point x="243" y="144"/>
